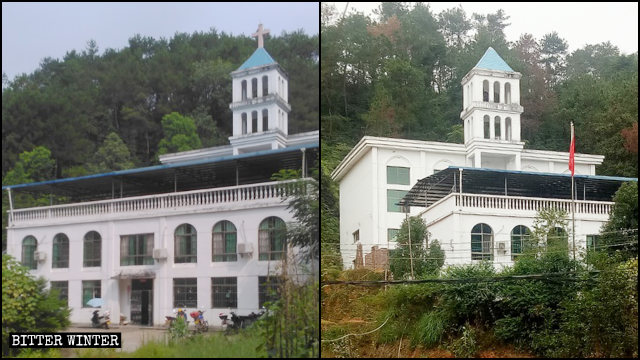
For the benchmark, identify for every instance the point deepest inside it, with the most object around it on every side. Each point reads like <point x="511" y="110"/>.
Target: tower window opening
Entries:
<point x="254" y="88"/>
<point x="496" y="92"/>
<point x="497" y="128"/>
<point x="254" y="121"/>
<point x="485" y="90"/>
<point x="244" y="89"/>
<point x="507" y="93"/>
<point x="487" y="127"/>
<point x="244" y="123"/>
<point x="265" y="120"/>
<point x="265" y="85"/>
<point x="507" y="134"/>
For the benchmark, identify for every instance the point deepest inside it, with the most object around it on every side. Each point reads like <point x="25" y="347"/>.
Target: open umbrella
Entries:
<point x="95" y="302"/>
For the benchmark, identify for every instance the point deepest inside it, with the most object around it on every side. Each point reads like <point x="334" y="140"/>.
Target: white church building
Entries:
<point x="205" y="229"/>
<point x="478" y="199"/>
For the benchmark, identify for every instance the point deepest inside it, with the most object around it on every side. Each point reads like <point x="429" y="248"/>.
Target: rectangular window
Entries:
<point x="481" y="247"/>
<point x="136" y="249"/>
<point x="268" y="289"/>
<point x="592" y="242"/>
<point x="392" y="234"/>
<point x="90" y="290"/>
<point x="356" y="236"/>
<point x="63" y="289"/>
<point x="185" y="292"/>
<point x="393" y="197"/>
<point x="397" y="175"/>
<point x="224" y="292"/>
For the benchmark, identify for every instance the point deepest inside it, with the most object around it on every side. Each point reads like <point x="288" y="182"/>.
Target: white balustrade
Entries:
<point x="530" y="204"/>
<point x="171" y="201"/>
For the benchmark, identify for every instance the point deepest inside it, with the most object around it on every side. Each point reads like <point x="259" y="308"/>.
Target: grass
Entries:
<point x="212" y="346"/>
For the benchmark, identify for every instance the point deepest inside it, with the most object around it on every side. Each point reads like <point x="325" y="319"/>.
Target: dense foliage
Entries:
<point x="413" y="243"/>
<point x="27" y="306"/>
<point x="70" y="105"/>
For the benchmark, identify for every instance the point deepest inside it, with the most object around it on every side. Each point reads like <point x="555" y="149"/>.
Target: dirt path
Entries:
<point x="132" y="336"/>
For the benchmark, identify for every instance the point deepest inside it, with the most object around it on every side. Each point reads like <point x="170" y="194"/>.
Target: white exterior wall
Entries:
<point x="357" y="207"/>
<point x="363" y="194"/>
<point x="452" y="226"/>
<point x="117" y="292"/>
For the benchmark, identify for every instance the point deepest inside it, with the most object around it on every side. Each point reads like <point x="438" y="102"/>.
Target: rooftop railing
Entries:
<point x="160" y="204"/>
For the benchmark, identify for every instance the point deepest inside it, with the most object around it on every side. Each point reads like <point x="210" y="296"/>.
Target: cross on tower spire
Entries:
<point x="259" y="34"/>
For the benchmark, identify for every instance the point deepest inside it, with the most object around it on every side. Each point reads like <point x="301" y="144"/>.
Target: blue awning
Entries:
<point x="189" y="175"/>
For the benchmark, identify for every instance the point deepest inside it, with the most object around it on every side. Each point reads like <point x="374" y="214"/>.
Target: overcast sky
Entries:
<point x="33" y="31"/>
<point x="578" y="23"/>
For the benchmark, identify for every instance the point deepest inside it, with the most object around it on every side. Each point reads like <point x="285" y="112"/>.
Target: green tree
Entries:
<point x="553" y="50"/>
<point x="620" y="233"/>
<point x="26" y="304"/>
<point x="426" y="261"/>
<point x="112" y="155"/>
<point x="32" y="166"/>
<point x="179" y="134"/>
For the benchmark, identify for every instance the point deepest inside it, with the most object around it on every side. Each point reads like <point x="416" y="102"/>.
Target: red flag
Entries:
<point x="572" y="151"/>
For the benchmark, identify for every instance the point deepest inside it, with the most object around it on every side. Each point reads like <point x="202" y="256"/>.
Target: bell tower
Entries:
<point x="260" y="102"/>
<point x="491" y="114"/>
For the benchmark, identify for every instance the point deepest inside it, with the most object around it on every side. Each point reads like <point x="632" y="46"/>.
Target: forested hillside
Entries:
<point x="397" y="73"/>
<point x="71" y="106"/>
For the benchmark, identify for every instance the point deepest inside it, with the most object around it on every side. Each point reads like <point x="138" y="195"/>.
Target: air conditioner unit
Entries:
<point x="160" y="253"/>
<point x="245" y="248"/>
<point x="40" y="256"/>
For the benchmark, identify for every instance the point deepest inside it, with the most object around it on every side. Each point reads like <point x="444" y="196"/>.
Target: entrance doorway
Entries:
<point x="142" y="301"/>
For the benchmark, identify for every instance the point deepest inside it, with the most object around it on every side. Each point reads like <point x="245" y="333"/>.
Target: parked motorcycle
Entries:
<point x="238" y="322"/>
<point x="179" y="313"/>
<point x="201" y="324"/>
<point x="98" y="321"/>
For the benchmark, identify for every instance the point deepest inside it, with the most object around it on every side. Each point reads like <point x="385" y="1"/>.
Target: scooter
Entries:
<point x="100" y="321"/>
<point x="239" y="321"/>
<point x="180" y="313"/>
<point x="201" y="324"/>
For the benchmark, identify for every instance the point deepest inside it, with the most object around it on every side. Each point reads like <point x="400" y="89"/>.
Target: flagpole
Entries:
<point x="573" y="199"/>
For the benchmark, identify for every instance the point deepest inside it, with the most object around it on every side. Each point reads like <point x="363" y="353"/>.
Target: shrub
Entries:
<point x="27" y="306"/>
<point x="465" y="346"/>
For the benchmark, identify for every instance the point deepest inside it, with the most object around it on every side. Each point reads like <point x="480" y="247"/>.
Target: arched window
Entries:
<point x="497" y="127"/>
<point x="254" y="121"/>
<point x="271" y="237"/>
<point x="29" y="246"/>
<point x="507" y="125"/>
<point x="496" y="92"/>
<point x="507" y="93"/>
<point x="254" y="88"/>
<point x="60" y="255"/>
<point x="224" y="242"/>
<point x="485" y="90"/>
<point x="244" y="123"/>
<point x="520" y="236"/>
<point x="244" y="89"/>
<point x="265" y="85"/>
<point x="92" y="249"/>
<point x="186" y="244"/>
<point x="487" y="127"/>
<point x="481" y="242"/>
<point x="557" y="239"/>
<point x="265" y="120"/>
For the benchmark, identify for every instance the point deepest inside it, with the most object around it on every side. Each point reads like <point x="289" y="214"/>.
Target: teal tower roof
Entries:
<point x="258" y="58"/>
<point x="492" y="61"/>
